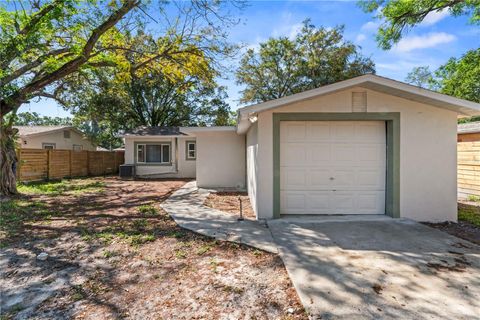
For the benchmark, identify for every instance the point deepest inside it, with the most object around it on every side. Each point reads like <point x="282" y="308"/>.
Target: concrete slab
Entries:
<point x="384" y="269"/>
<point x="186" y="207"/>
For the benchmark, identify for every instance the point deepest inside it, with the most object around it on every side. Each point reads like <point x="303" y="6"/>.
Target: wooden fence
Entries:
<point x="41" y="164"/>
<point x="468" y="170"/>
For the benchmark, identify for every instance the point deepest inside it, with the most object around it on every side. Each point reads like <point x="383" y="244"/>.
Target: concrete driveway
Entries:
<point x="379" y="269"/>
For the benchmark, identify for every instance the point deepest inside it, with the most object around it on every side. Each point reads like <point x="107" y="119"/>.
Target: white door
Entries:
<point x="332" y="167"/>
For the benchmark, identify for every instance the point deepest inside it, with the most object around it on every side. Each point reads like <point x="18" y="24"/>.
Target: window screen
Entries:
<point x="191" y="150"/>
<point x="153" y="153"/>
<point x="165" y="153"/>
<point x="66" y="134"/>
<point x="141" y="153"/>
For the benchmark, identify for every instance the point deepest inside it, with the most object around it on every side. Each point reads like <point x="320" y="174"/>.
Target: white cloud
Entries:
<point x="429" y="40"/>
<point x="360" y="38"/>
<point x="370" y="26"/>
<point x="434" y="17"/>
<point x="289" y="31"/>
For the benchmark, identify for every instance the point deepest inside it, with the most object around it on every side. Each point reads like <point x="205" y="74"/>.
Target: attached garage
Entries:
<point x="332" y="167"/>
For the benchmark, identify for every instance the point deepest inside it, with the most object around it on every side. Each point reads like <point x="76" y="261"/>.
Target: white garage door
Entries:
<point x="332" y="167"/>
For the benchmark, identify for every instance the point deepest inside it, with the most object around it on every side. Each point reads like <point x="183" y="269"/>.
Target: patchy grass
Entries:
<point x="473" y="198"/>
<point x="15" y="212"/>
<point x="148" y="209"/>
<point x="74" y="187"/>
<point x="470" y="214"/>
<point x="124" y="257"/>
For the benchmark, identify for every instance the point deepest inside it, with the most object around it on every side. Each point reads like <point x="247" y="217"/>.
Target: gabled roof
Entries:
<point x="26" y="131"/>
<point x="470" y="127"/>
<point x="372" y="82"/>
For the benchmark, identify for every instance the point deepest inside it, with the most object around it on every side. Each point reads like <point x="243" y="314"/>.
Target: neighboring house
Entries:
<point x="53" y="137"/>
<point x="368" y="145"/>
<point x="468" y="132"/>
<point x="468" y="149"/>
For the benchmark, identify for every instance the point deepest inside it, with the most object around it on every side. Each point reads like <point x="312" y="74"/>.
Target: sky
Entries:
<point x="432" y="43"/>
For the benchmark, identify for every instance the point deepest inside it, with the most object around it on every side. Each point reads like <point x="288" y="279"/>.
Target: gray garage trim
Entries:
<point x="392" y="120"/>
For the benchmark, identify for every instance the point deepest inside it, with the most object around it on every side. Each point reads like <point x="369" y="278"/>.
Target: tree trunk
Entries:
<point x="8" y="158"/>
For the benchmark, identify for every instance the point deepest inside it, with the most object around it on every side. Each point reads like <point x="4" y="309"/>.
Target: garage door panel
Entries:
<point x="293" y="131"/>
<point x="293" y="178"/>
<point x="332" y="167"/>
<point x="293" y="154"/>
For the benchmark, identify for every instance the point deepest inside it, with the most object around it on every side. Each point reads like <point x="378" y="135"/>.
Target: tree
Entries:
<point x="420" y="76"/>
<point x="34" y="119"/>
<point x="399" y="16"/>
<point x="316" y="57"/>
<point x="42" y="44"/>
<point x="47" y="42"/>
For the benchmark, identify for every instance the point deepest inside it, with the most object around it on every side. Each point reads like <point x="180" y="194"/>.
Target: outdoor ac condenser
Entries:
<point x="127" y="171"/>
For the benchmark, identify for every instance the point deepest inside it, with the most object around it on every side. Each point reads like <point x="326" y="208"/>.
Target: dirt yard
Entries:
<point x="113" y="253"/>
<point x="230" y="202"/>
<point x="468" y="226"/>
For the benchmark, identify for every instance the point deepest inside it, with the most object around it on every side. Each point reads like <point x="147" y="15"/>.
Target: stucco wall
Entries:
<point x="35" y="142"/>
<point x="252" y="165"/>
<point x="220" y="159"/>
<point x="428" y="187"/>
<point x="186" y="168"/>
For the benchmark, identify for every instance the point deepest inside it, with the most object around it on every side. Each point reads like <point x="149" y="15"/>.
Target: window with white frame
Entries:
<point x="191" y="150"/>
<point x="47" y="145"/>
<point x="77" y="147"/>
<point x="153" y="153"/>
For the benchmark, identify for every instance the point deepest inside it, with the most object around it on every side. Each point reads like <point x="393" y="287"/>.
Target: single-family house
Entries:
<point x="53" y="137"/>
<point x="367" y="145"/>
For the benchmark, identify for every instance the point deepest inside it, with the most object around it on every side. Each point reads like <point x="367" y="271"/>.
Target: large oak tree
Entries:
<point x="283" y="66"/>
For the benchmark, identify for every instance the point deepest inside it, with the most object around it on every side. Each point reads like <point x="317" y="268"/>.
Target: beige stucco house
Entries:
<point x="368" y="145"/>
<point x="53" y="137"/>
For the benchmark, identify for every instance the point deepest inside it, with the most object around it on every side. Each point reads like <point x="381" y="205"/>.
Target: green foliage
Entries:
<point x="399" y="16"/>
<point x="459" y="77"/>
<point x="15" y="212"/>
<point x="470" y="214"/>
<point x="282" y="66"/>
<point x="147" y="209"/>
<point x="34" y="119"/>
<point x="421" y="77"/>
<point x="77" y="186"/>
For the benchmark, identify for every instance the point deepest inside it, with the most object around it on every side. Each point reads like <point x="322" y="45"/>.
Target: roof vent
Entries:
<point x="359" y="102"/>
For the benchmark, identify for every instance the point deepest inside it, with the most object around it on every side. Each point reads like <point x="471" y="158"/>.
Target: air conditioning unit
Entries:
<point x="127" y="171"/>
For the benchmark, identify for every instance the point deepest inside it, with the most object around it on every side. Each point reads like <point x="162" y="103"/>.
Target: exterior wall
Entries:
<point x="428" y="185"/>
<point x="468" y="137"/>
<point x="220" y="159"/>
<point x="252" y="165"/>
<point x="35" y="142"/>
<point x="186" y="168"/>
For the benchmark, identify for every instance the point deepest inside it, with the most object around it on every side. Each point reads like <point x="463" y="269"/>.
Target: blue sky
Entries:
<point x="431" y="44"/>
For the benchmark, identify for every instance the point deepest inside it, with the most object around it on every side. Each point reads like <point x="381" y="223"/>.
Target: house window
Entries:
<point x="191" y="150"/>
<point x="49" y="146"/>
<point x="153" y="153"/>
<point x="77" y="147"/>
<point x="66" y="134"/>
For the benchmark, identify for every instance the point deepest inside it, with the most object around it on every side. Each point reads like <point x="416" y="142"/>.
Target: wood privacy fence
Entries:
<point x="41" y="164"/>
<point x="468" y="169"/>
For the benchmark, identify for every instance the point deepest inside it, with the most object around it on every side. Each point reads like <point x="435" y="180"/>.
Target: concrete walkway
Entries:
<point x="186" y="207"/>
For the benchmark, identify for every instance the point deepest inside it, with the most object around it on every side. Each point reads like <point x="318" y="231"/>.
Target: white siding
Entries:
<point x="427" y="152"/>
<point x="220" y="159"/>
<point x="252" y="165"/>
<point x="186" y="168"/>
<point x="35" y="142"/>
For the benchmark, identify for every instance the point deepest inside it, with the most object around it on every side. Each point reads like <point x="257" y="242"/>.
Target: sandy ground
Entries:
<point x="230" y="203"/>
<point x="114" y="254"/>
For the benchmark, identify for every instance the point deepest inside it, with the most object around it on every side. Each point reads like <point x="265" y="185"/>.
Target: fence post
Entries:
<point x="88" y="163"/>
<point x="49" y="158"/>
<point x="70" y="163"/>
<point x="19" y="166"/>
